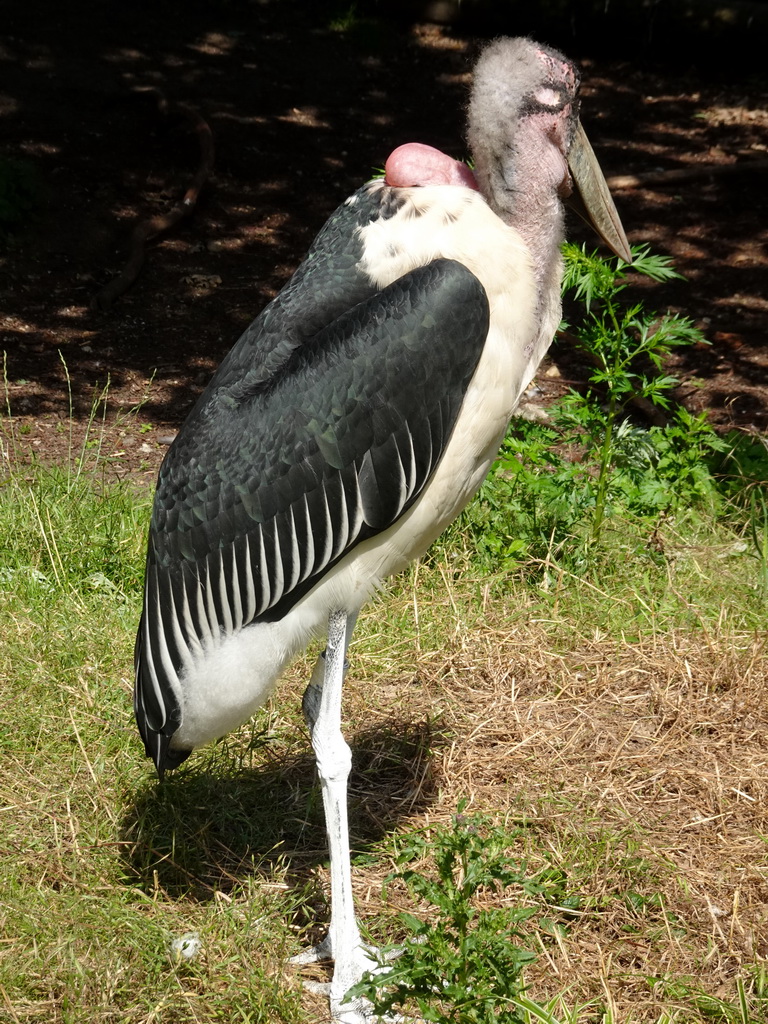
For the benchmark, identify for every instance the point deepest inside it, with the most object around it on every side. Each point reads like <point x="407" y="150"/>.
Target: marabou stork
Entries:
<point x="352" y="422"/>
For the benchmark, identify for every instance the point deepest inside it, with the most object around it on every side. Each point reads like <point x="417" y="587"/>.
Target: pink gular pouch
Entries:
<point x="417" y="164"/>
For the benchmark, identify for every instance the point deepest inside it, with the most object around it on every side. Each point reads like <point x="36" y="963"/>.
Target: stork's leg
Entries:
<point x="310" y="706"/>
<point x="334" y="760"/>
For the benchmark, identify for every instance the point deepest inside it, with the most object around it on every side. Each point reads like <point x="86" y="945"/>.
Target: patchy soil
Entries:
<point x="301" y="113"/>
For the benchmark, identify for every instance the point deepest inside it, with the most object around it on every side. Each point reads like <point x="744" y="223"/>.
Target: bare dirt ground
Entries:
<point x="301" y="113"/>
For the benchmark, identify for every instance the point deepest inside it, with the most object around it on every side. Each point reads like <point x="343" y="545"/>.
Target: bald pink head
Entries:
<point x="417" y="164"/>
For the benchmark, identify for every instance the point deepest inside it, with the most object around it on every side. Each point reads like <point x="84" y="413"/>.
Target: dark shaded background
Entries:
<point x="304" y="101"/>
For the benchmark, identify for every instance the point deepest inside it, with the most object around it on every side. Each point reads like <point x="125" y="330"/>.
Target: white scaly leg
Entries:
<point x="322" y="710"/>
<point x="334" y="760"/>
<point x="310" y="706"/>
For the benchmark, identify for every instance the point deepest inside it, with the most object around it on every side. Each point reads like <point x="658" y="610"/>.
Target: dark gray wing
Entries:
<point x="275" y="477"/>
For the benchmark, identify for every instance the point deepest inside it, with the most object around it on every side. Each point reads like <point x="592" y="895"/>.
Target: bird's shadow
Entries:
<point x="232" y="813"/>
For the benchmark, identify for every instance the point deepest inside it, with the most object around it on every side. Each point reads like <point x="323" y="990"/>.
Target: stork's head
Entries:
<point x="529" y="148"/>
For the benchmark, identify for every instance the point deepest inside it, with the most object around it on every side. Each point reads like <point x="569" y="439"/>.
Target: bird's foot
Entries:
<point x="360" y="1011"/>
<point x="365" y="959"/>
<point x="314" y="954"/>
<point x="323" y="952"/>
<point x="347" y="974"/>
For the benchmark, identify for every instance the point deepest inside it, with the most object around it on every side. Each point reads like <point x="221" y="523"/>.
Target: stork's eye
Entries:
<point x="551" y="99"/>
<point x="547" y="99"/>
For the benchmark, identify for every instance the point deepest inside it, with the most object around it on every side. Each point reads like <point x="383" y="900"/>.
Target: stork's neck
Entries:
<point x="539" y="220"/>
<point x="523" y="187"/>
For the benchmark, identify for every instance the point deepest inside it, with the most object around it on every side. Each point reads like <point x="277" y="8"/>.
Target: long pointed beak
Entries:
<point x="592" y="199"/>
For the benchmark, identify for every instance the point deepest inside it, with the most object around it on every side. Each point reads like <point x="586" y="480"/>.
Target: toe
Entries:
<point x="314" y="954"/>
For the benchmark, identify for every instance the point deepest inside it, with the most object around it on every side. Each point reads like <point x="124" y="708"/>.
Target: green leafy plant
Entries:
<point x="554" y="485"/>
<point x="463" y="962"/>
<point x="743" y="478"/>
<point x="627" y="347"/>
<point x="758" y="530"/>
<point x="531" y="502"/>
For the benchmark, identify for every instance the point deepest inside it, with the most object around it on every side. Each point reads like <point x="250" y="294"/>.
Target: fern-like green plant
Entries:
<point x="627" y="345"/>
<point x="463" y="962"/>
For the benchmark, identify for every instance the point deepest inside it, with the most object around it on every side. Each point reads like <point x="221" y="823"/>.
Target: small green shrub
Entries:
<point x="553" y="486"/>
<point x="463" y="963"/>
<point x="627" y="346"/>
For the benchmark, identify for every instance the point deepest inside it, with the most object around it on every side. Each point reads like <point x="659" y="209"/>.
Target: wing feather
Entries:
<point x="308" y="538"/>
<point x="264" y="576"/>
<point x="226" y="590"/>
<point x="245" y="574"/>
<point x="275" y="567"/>
<point x="295" y="550"/>
<point x="324" y="525"/>
<point x="190" y="630"/>
<point x="198" y="605"/>
<point x="209" y="592"/>
<point x="340" y="524"/>
<point x="355" y="503"/>
<point x="279" y="472"/>
<point x="409" y="463"/>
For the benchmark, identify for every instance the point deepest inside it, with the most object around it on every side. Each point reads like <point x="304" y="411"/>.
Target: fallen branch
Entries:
<point x="147" y="229"/>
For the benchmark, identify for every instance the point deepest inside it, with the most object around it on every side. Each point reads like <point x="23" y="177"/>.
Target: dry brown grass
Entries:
<point x="638" y="768"/>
